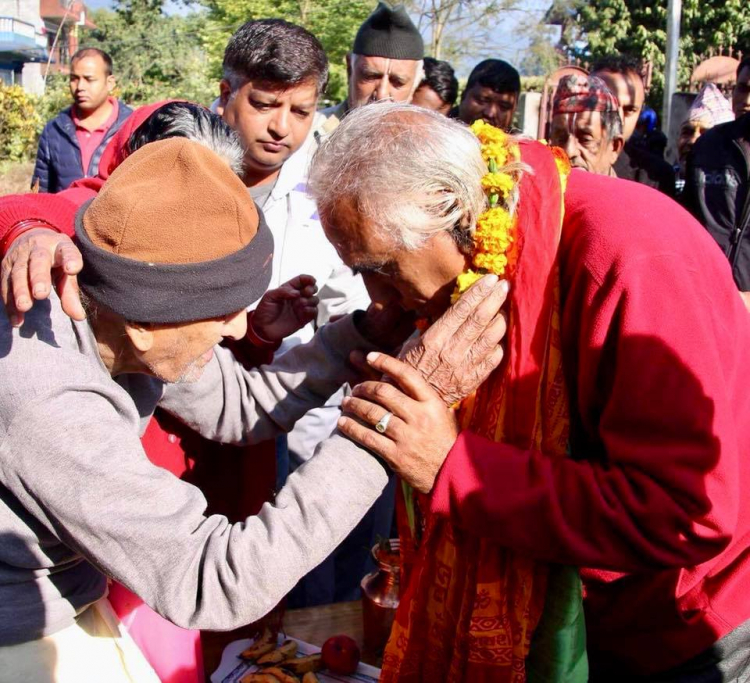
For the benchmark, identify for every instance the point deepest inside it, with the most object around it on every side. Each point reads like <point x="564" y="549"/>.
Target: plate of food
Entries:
<point x="280" y="659"/>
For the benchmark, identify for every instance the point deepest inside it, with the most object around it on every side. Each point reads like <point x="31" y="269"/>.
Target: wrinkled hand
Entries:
<point x="286" y="309"/>
<point x="462" y="347"/>
<point x="421" y="431"/>
<point x="28" y="269"/>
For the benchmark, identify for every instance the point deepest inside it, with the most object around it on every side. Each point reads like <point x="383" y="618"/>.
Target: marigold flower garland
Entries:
<point x="494" y="236"/>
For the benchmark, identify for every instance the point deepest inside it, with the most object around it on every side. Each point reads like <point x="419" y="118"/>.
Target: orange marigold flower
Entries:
<point x="494" y="221"/>
<point x="487" y="133"/>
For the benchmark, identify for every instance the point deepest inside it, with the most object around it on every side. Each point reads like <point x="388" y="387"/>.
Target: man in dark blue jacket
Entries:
<point x="72" y="143"/>
<point x="717" y="192"/>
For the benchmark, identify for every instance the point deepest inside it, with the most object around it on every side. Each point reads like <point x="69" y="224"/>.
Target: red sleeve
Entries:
<point x="251" y="350"/>
<point x="58" y="210"/>
<point x="657" y="348"/>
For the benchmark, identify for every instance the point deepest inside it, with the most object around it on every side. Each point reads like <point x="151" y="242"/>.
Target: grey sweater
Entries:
<point x="79" y="500"/>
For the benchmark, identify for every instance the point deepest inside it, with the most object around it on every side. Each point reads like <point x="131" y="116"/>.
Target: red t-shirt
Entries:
<point x="89" y="140"/>
<point x="653" y="503"/>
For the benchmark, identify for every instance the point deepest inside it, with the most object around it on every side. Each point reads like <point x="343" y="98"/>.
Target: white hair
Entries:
<point x="418" y="74"/>
<point x="410" y="171"/>
<point x="196" y="123"/>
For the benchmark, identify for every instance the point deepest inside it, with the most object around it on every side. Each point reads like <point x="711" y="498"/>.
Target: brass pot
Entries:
<point x="380" y="593"/>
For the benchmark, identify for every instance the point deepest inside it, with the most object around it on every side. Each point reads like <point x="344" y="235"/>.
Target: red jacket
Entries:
<point x="653" y="502"/>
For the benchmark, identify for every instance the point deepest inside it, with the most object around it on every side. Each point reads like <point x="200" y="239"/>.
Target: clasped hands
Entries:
<point x="448" y="363"/>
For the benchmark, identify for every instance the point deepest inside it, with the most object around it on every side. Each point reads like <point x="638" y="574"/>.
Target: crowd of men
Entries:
<point x="174" y="456"/>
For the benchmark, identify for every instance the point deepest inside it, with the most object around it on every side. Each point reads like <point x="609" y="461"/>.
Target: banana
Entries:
<point x="303" y="665"/>
<point x="261" y="646"/>
<point x="283" y="676"/>
<point x="259" y="678"/>
<point x="310" y="677"/>
<point x="285" y="651"/>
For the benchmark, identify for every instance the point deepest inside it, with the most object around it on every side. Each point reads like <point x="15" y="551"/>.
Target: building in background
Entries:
<point x="67" y="19"/>
<point x="31" y="31"/>
<point x="23" y="44"/>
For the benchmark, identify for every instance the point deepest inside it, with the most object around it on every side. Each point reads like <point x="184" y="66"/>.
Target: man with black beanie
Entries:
<point x="386" y="62"/>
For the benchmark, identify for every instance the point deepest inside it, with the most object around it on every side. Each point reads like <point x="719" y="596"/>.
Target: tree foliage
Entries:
<point x="333" y="22"/>
<point x="19" y="123"/>
<point x="542" y="56"/>
<point x="156" y="55"/>
<point x="639" y="28"/>
<point x="458" y="28"/>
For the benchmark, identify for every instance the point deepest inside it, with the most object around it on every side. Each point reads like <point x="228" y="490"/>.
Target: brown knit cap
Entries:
<point x="174" y="201"/>
<point x="174" y="237"/>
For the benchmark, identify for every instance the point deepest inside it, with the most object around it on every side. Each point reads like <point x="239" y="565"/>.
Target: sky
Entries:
<point x="508" y="43"/>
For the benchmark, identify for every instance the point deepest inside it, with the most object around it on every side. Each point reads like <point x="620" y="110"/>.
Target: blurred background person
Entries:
<point x="710" y="108"/>
<point x="491" y="94"/>
<point x="72" y="143"/>
<point x="639" y="159"/>
<point x="586" y="123"/>
<point x="717" y="191"/>
<point x="386" y="62"/>
<point x="439" y="87"/>
<point x="741" y="92"/>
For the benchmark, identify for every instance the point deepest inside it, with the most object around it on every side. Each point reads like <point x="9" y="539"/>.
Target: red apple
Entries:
<point x="340" y="655"/>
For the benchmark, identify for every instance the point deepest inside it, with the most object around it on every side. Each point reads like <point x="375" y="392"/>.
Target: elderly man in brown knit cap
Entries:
<point x="79" y="501"/>
<point x="586" y="123"/>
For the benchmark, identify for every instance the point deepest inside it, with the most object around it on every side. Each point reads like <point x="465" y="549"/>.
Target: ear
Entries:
<point x="225" y="92"/>
<point x="617" y="144"/>
<point x="140" y="336"/>
<point x="111" y="83"/>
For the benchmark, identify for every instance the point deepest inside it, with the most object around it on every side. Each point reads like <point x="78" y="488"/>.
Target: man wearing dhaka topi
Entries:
<point x="602" y="470"/>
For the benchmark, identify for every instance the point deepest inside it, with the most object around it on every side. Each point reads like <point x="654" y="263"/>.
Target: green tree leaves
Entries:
<point x="156" y="56"/>
<point x="639" y="28"/>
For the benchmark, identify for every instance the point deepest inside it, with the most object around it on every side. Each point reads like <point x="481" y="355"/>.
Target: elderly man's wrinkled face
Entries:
<point x="741" y="93"/>
<point x="272" y="121"/>
<point x="378" y="78"/>
<point x="585" y="141"/>
<point x="179" y="353"/>
<point x="690" y="131"/>
<point x="496" y="108"/>
<point x="420" y="280"/>
<point x="629" y="91"/>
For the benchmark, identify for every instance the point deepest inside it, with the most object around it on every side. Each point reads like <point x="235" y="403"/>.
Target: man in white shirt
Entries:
<point x="273" y="75"/>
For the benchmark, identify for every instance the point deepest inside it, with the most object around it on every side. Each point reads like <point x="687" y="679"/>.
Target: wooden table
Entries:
<point x="314" y="625"/>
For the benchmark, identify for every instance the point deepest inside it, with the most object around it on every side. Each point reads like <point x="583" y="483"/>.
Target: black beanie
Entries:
<point x="389" y="32"/>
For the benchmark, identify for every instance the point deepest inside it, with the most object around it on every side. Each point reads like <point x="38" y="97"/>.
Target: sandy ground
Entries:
<point x="15" y="177"/>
